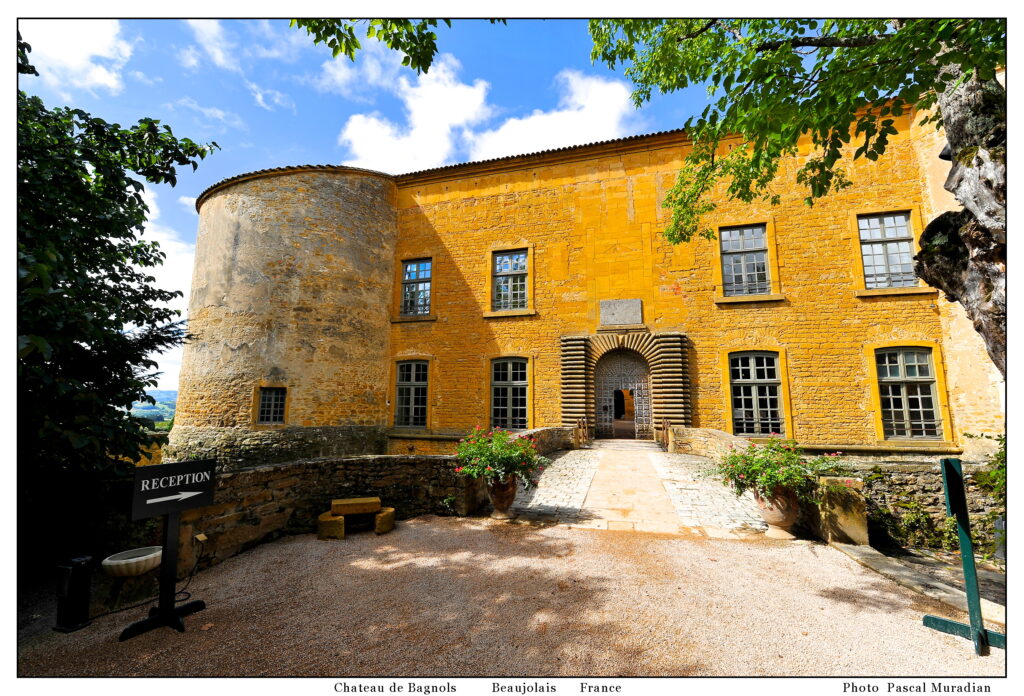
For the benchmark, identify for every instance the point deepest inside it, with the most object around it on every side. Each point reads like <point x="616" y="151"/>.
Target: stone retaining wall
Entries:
<point x="238" y="448"/>
<point x="262" y="503"/>
<point x="550" y="439"/>
<point x="703" y="442"/>
<point x="896" y="484"/>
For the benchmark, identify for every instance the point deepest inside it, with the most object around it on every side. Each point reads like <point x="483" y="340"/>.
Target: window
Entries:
<point x="887" y="249"/>
<point x="745" y="261"/>
<point x="906" y="385"/>
<point x="271" y="405"/>
<point x="508" y="393"/>
<point x="416" y="287"/>
<point x="509" y="290"/>
<point x="756" y="393"/>
<point x="411" y="401"/>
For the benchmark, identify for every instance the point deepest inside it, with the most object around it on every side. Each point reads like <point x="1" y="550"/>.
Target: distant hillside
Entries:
<point x="163" y="410"/>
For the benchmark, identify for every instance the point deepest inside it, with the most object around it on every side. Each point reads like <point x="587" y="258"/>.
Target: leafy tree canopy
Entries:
<point x="773" y="81"/>
<point x="414" y="38"/>
<point x="82" y="280"/>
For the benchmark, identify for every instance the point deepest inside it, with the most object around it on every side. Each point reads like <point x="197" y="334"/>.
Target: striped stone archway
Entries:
<point x="665" y="354"/>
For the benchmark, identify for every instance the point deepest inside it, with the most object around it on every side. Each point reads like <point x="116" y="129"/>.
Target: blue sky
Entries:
<point x="270" y="97"/>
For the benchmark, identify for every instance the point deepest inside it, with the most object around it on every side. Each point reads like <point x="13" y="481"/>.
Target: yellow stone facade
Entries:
<point x="590" y="219"/>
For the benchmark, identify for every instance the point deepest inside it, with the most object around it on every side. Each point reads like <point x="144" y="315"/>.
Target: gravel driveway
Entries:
<point x="475" y="597"/>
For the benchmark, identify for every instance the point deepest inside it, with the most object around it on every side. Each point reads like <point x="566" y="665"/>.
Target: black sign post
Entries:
<point x="167" y="489"/>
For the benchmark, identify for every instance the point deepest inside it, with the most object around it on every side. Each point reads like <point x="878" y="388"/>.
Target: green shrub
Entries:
<point x="779" y="464"/>
<point x="498" y="454"/>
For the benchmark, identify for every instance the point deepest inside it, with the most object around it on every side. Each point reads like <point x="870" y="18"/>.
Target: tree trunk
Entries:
<point x="964" y="253"/>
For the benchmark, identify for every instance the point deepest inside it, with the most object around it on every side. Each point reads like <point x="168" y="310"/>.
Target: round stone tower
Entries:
<point x="289" y="317"/>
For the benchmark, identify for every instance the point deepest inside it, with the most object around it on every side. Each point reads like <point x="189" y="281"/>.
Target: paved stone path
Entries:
<point x="634" y="485"/>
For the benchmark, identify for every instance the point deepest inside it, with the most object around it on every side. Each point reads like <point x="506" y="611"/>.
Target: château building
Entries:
<point x="337" y="310"/>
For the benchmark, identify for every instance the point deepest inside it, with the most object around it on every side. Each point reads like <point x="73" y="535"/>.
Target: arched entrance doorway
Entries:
<point x="622" y="387"/>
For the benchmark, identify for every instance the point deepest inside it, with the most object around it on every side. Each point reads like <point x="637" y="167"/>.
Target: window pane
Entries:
<point x="887" y="251"/>
<point x="744" y="261"/>
<point x="508" y="393"/>
<point x="271" y="408"/>
<point x="907" y="396"/>
<point x="411" y="394"/>
<point x="416" y="287"/>
<point x="756" y="394"/>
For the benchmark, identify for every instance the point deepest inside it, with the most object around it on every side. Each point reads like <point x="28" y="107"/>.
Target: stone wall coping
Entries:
<point x="894" y="449"/>
<point x="405" y="435"/>
<point x="317" y="461"/>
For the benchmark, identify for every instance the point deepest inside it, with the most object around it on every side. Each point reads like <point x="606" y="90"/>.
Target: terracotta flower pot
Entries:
<point x="501" y="493"/>
<point x="779" y="511"/>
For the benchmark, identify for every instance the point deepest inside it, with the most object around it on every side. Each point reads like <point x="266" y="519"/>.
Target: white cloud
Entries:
<point x="282" y="42"/>
<point x="590" y="109"/>
<point x="188" y="57"/>
<point x="262" y="94"/>
<point x="144" y="78"/>
<point x="82" y="53"/>
<point x="445" y="115"/>
<point x="174" y="274"/>
<point x="435" y="106"/>
<point x="189" y="202"/>
<point x="375" y="66"/>
<point x="227" y="118"/>
<point x="215" y="43"/>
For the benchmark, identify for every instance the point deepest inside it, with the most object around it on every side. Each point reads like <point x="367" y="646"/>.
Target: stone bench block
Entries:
<point x="384" y="521"/>
<point x="330" y="526"/>
<point x="354" y="506"/>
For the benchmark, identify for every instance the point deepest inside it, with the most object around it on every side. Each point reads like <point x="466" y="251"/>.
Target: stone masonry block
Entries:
<point x="330" y="526"/>
<point x="355" y="506"/>
<point x="384" y="521"/>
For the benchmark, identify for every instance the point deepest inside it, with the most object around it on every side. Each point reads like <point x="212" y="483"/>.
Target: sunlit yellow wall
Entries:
<point x="592" y="220"/>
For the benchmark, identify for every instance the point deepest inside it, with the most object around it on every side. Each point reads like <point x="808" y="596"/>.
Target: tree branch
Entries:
<point x="695" y="34"/>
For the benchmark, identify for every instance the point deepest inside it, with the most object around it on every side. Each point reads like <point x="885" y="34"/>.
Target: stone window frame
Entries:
<point x="492" y="252"/>
<point x="528" y="384"/>
<point x="431" y="381"/>
<point x="774" y="293"/>
<point x="916" y="224"/>
<point x="413" y="385"/>
<point x="785" y="401"/>
<point x="254" y="413"/>
<point x="939" y="392"/>
<point x="418" y="280"/>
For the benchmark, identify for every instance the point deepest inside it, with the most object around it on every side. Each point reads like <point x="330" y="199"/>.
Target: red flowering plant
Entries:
<point x="774" y="466"/>
<point x="498" y="454"/>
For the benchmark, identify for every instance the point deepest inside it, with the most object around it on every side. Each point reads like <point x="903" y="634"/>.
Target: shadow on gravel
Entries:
<point x="436" y="597"/>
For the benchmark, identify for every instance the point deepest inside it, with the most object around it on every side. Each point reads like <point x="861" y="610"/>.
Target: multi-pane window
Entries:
<point x="745" y="261"/>
<point x="411" y="399"/>
<point x="510" y="275"/>
<point x="271" y="405"/>
<point x="508" y="393"/>
<point x="906" y="385"/>
<point x="416" y="287"/>
<point x="887" y="248"/>
<point x="756" y="393"/>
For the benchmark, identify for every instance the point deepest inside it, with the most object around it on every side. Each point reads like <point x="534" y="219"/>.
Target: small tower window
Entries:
<point x="271" y="405"/>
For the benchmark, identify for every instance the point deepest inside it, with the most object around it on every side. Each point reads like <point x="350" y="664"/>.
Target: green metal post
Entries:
<point x="956" y="507"/>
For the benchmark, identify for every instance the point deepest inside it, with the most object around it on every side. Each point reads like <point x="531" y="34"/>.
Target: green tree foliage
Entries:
<point x="772" y="81"/>
<point x="414" y="38"/>
<point x="88" y="313"/>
